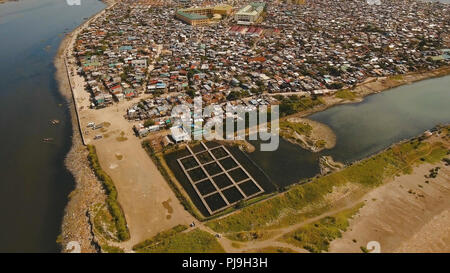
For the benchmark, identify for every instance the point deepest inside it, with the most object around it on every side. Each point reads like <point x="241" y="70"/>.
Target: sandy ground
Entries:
<point x="149" y="204"/>
<point x="405" y="215"/>
<point x="319" y="131"/>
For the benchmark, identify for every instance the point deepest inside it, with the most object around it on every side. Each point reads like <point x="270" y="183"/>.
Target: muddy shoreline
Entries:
<point x="374" y="86"/>
<point x="371" y="86"/>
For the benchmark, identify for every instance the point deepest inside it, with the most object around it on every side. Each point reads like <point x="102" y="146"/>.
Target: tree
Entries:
<point x="149" y="122"/>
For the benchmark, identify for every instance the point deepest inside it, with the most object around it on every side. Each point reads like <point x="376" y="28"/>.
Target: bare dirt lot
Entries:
<point x="143" y="193"/>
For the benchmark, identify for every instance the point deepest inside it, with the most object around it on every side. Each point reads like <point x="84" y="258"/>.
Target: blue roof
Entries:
<point x="125" y="48"/>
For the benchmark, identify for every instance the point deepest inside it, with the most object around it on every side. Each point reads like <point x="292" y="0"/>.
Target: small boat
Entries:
<point x="47" y="139"/>
<point x="54" y="122"/>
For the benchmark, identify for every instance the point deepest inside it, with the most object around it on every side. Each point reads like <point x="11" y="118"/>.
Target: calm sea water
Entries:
<point x="364" y="128"/>
<point x="34" y="183"/>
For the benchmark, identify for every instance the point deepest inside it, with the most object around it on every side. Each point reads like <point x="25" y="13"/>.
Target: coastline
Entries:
<point x="87" y="191"/>
<point x="374" y="86"/>
<point x="321" y="137"/>
<point x="370" y="87"/>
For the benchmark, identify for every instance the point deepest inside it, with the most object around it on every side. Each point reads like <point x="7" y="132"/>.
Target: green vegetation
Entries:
<point x="435" y="156"/>
<point x="111" y="200"/>
<point x="317" y="236"/>
<point x="364" y="249"/>
<point x="301" y="128"/>
<point x="396" y="77"/>
<point x="175" y="241"/>
<point x="285" y="208"/>
<point x="320" y="143"/>
<point x="104" y="223"/>
<point x="111" y="249"/>
<point x="246" y="236"/>
<point x="345" y="94"/>
<point x="272" y="249"/>
<point x="234" y="95"/>
<point x="149" y="122"/>
<point x="294" y="104"/>
<point x="160" y="237"/>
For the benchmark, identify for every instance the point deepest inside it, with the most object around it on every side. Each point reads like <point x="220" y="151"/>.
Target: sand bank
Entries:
<point x="319" y="138"/>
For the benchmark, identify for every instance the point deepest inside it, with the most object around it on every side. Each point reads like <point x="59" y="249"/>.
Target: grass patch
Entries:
<point x="345" y="94"/>
<point x="272" y="249"/>
<point x="435" y="156"/>
<point x="195" y="241"/>
<point x="301" y="128"/>
<point x="317" y="236"/>
<point x="104" y="223"/>
<point x="111" y="192"/>
<point x="396" y="77"/>
<point x="367" y="174"/>
<point x="160" y="237"/>
<point x="111" y="249"/>
<point x="294" y="104"/>
<point x="246" y="236"/>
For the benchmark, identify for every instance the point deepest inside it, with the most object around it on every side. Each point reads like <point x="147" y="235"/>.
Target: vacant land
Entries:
<point x="345" y="94"/>
<point x="177" y="241"/>
<point x="409" y="214"/>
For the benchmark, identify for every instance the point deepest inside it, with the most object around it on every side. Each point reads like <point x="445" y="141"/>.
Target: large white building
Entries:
<point x="179" y="134"/>
<point x="250" y="14"/>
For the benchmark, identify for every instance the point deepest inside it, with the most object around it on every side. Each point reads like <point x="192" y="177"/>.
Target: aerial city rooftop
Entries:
<point x="247" y="53"/>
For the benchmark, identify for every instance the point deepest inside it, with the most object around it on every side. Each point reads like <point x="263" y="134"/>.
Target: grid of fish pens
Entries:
<point x="217" y="177"/>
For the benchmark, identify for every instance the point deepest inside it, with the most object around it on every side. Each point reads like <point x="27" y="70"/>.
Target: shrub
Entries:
<point x="111" y="193"/>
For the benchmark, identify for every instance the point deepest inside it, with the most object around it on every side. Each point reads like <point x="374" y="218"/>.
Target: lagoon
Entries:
<point x="363" y="129"/>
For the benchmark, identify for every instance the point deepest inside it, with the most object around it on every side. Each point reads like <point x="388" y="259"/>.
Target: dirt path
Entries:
<point x="402" y="214"/>
<point x="228" y="246"/>
<point x="405" y="214"/>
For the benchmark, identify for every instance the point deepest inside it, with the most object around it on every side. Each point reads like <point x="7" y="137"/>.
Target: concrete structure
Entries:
<point x="203" y="15"/>
<point x="179" y="134"/>
<point x="219" y="191"/>
<point x="250" y="14"/>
